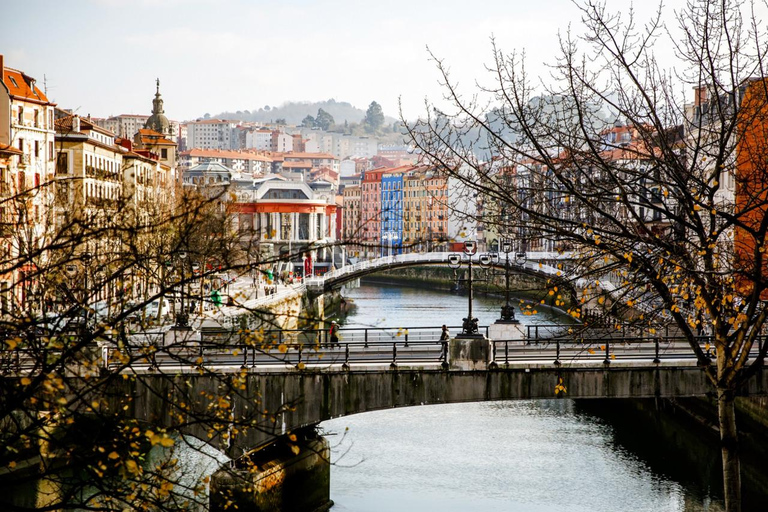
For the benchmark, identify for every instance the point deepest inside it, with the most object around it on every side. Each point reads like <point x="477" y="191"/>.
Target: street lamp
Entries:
<point x="182" y="317"/>
<point x="507" y="311"/>
<point x="86" y="259"/>
<point x="469" y="325"/>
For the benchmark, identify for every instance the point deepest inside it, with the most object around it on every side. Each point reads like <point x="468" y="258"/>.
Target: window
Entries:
<point x="21" y="109"/>
<point x="37" y="118"/>
<point x="51" y="155"/>
<point x="37" y="149"/>
<point x="21" y="144"/>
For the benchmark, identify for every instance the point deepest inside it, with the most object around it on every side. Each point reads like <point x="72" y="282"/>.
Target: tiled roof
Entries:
<point x="221" y="153"/>
<point x="303" y="164"/>
<point x="148" y="136"/>
<point x="303" y="156"/>
<point x="20" y="86"/>
<point x="212" y="121"/>
<point x="64" y="124"/>
<point x="9" y="150"/>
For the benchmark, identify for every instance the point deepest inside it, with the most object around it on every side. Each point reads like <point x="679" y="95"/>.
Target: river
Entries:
<point x="538" y="456"/>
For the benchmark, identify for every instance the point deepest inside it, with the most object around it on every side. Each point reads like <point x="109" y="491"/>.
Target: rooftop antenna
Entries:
<point x="45" y="85"/>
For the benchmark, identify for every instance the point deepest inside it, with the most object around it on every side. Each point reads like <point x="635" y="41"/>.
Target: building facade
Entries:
<point x="27" y="139"/>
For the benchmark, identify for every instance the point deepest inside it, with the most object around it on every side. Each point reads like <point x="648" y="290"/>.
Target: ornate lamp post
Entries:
<point x="182" y="317"/>
<point x="507" y="311"/>
<point x="469" y="325"/>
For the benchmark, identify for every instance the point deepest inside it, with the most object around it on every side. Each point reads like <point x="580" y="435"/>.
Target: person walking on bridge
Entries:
<point x="445" y="335"/>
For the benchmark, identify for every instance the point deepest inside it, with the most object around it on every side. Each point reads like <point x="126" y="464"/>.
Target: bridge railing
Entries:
<point x="561" y="351"/>
<point x="386" y="349"/>
<point x="618" y="330"/>
<point x="362" y="334"/>
<point x="298" y="355"/>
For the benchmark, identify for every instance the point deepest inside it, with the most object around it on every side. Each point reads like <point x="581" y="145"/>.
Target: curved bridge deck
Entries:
<point x="537" y="263"/>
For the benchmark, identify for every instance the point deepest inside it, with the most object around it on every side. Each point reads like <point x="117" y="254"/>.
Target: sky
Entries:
<point x="101" y="57"/>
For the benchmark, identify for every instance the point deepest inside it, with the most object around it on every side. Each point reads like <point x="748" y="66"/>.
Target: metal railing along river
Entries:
<point x="365" y="346"/>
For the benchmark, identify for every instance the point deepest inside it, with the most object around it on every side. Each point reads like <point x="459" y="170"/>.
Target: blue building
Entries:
<point x="392" y="213"/>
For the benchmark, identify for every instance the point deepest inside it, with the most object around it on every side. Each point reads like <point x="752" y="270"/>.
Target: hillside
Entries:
<point x="295" y="111"/>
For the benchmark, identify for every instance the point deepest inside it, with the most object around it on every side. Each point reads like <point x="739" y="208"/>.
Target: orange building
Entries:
<point x="751" y="189"/>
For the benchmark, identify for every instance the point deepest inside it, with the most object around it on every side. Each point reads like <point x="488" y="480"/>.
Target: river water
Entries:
<point x="538" y="456"/>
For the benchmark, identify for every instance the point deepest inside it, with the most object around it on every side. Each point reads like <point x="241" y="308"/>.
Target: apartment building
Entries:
<point x="425" y="210"/>
<point x="27" y="164"/>
<point x="212" y="134"/>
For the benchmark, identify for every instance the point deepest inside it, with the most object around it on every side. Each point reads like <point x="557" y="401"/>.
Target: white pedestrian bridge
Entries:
<point x="543" y="264"/>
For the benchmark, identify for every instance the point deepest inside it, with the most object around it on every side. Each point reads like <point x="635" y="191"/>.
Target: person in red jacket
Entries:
<point x="333" y="332"/>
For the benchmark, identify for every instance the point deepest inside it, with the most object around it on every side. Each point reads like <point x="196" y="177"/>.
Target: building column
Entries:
<point x="312" y="226"/>
<point x="275" y="226"/>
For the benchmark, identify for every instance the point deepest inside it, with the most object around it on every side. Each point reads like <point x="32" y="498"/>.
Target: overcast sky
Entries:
<point x="102" y="56"/>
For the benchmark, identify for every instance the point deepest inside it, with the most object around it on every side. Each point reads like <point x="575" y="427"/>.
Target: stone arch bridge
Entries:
<point x="317" y="395"/>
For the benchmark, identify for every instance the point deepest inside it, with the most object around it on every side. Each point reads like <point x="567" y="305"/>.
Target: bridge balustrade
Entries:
<point x="379" y="345"/>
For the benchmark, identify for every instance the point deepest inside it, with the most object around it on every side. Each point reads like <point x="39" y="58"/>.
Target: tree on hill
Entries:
<point x="308" y="122"/>
<point x="665" y="210"/>
<point x="374" y="118"/>
<point x="295" y="112"/>
<point x="323" y="120"/>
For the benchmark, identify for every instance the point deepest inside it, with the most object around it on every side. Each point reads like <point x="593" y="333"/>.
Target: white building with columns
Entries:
<point x="289" y="220"/>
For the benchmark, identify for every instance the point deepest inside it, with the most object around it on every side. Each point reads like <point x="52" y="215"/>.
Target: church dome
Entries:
<point x="157" y="121"/>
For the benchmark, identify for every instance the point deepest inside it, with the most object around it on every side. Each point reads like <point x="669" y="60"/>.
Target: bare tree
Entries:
<point x="662" y="202"/>
<point x="76" y="339"/>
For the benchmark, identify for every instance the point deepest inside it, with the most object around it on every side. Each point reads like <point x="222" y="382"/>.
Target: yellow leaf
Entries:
<point x="25" y="381"/>
<point x="283" y="348"/>
<point x="113" y="455"/>
<point x="295" y="449"/>
<point x="132" y="466"/>
<point x="166" y="442"/>
<point x="292" y="437"/>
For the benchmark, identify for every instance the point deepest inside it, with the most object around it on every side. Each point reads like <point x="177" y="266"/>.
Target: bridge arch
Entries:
<point x="300" y="399"/>
<point x="542" y="265"/>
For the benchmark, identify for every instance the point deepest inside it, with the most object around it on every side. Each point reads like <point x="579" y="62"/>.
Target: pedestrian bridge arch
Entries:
<point x="544" y="265"/>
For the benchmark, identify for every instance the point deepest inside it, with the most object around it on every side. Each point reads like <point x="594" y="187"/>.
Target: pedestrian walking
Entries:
<point x="333" y="332"/>
<point x="445" y="335"/>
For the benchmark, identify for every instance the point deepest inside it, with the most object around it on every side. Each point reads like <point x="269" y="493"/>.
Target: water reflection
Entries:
<point x="527" y="455"/>
<point x="394" y="305"/>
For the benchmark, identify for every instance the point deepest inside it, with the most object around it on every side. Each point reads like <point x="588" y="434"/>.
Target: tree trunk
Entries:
<point x="729" y="446"/>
